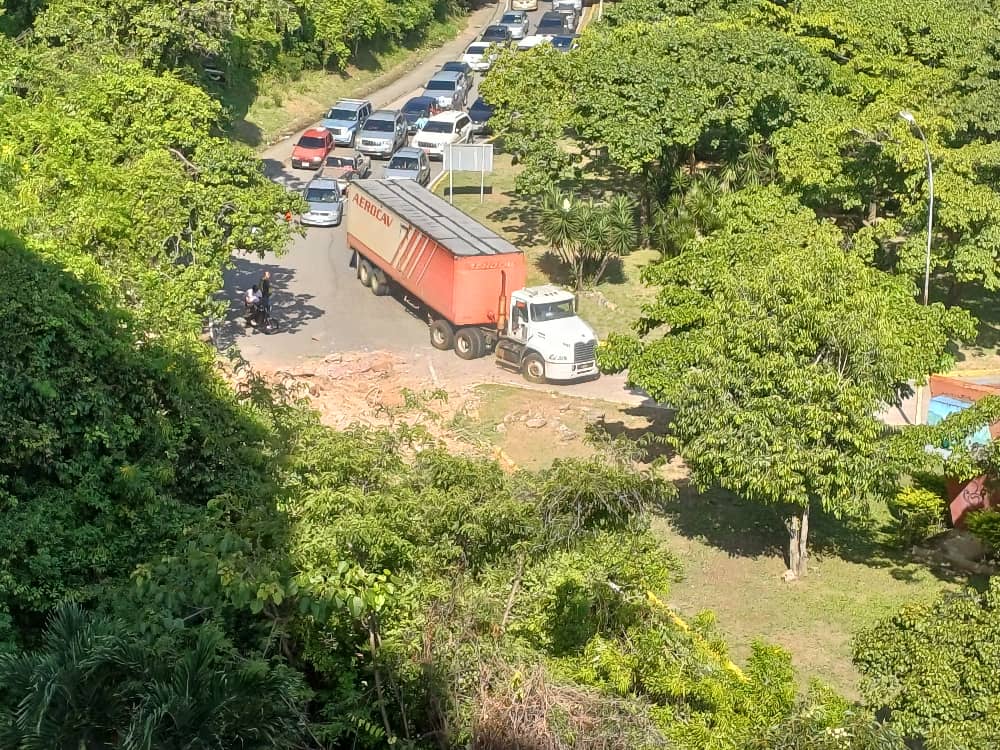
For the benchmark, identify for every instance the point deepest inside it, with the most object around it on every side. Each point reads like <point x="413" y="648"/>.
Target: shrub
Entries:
<point x="919" y="514"/>
<point x="985" y="525"/>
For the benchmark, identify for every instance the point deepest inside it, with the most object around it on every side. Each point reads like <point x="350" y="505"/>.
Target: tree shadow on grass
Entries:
<point x="648" y="432"/>
<point x="522" y="216"/>
<point x="743" y="528"/>
<point x="983" y="304"/>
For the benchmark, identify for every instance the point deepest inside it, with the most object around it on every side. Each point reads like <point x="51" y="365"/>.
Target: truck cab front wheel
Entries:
<point x="533" y="369"/>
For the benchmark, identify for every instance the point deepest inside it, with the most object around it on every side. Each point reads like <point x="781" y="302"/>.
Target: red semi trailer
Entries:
<point x="467" y="280"/>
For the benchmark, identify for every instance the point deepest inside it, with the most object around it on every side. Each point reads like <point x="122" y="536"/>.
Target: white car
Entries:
<point x="441" y="130"/>
<point x="532" y="41"/>
<point x="576" y="5"/>
<point x="476" y="58"/>
<point x="524" y="5"/>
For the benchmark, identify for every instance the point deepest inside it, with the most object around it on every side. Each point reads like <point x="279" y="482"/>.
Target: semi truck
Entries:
<point x="467" y="281"/>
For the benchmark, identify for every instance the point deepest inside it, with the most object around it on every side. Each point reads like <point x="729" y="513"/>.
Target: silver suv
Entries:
<point x="345" y="118"/>
<point x="449" y="87"/>
<point x="383" y="132"/>
<point x="409" y="164"/>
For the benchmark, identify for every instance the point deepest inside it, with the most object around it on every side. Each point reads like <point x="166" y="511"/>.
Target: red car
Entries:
<point x="312" y="148"/>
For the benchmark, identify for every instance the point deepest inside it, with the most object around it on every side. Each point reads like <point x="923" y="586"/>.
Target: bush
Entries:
<point x="985" y="525"/>
<point x="919" y="514"/>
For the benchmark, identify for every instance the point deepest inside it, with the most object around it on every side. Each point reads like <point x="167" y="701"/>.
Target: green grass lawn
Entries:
<point x="273" y="106"/>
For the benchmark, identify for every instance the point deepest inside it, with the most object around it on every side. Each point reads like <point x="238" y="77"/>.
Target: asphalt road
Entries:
<point x="317" y="301"/>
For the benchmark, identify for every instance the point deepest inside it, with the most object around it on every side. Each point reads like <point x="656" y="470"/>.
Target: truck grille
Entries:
<point x="583" y="351"/>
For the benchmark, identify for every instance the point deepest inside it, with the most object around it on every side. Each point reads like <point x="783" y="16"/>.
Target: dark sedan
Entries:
<point x="496" y="35"/>
<point x="480" y="113"/>
<point x="419" y="110"/>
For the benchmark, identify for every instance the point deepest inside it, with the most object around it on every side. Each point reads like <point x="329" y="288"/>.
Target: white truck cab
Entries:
<point x="545" y="337"/>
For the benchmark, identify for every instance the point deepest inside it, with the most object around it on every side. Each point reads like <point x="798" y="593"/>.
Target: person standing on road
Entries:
<point x="265" y="290"/>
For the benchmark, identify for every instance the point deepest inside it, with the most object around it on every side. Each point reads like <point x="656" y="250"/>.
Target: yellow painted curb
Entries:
<point x="676" y="619"/>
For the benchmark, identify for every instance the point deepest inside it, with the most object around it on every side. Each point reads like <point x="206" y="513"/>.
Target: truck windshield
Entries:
<point x="553" y="310"/>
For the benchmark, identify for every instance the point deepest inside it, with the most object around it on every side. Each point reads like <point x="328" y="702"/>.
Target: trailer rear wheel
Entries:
<point x="365" y="273"/>
<point x="469" y="343"/>
<point x="379" y="283"/>
<point x="442" y="336"/>
<point x="533" y="369"/>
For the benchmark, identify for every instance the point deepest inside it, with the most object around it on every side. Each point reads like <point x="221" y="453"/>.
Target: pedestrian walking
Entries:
<point x="265" y="291"/>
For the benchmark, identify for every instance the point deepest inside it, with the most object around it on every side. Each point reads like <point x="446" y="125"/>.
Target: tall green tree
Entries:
<point x="778" y="350"/>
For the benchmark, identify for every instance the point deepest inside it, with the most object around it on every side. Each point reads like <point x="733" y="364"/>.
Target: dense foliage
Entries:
<point x="933" y="667"/>
<point x="789" y="201"/>
<point x="805" y="95"/>
<point x="241" y="39"/>
<point x="191" y="564"/>
<point x="229" y="546"/>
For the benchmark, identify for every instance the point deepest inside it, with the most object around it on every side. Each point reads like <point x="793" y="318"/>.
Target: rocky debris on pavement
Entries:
<point x="566" y="434"/>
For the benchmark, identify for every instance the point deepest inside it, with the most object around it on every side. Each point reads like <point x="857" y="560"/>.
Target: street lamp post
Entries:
<point x="908" y="116"/>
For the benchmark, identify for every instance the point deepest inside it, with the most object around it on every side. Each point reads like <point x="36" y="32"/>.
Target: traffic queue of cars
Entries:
<point x="430" y="121"/>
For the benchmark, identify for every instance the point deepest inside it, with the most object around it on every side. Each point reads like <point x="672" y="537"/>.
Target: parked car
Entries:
<point x="383" y="132"/>
<point x="496" y="34"/>
<point x="458" y="66"/>
<point x="449" y="88"/>
<point x="409" y="163"/>
<point x="576" y="5"/>
<point x="418" y="110"/>
<point x="552" y="24"/>
<point x="516" y="21"/>
<point x="441" y="130"/>
<point x="312" y="148"/>
<point x="566" y="43"/>
<point x="476" y="58"/>
<point x="339" y="167"/>
<point x="479" y="114"/>
<point x="345" y="118"/>
<point x="524" y="4"/>
<point x="326" y="205"/>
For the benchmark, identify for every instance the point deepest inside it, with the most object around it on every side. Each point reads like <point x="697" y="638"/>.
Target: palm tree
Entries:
<point x="65" y="694"/>
<point x="591" y="239"/>
<point x="560" y="224"/>
<point x="621" y="234"/>
<point x="94" y="684"/>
